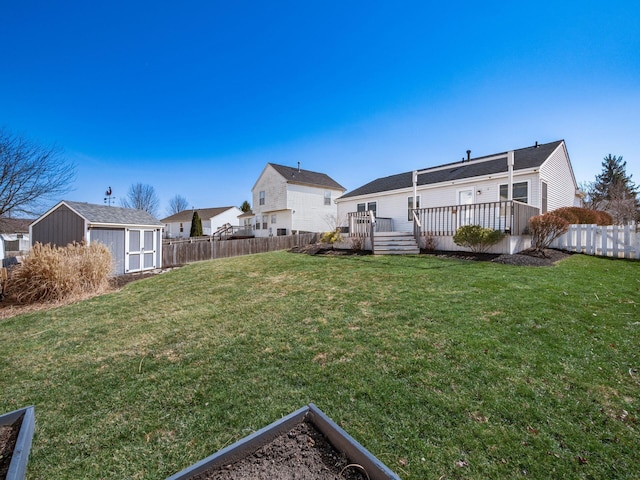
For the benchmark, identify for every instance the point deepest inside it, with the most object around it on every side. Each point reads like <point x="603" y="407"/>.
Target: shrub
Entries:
<point x="545" y="229"/>
<point x="578" y="215"/>
<point x="51" y="273"/>
<point x="477" y="238"/>
<point x="332" y="236"/>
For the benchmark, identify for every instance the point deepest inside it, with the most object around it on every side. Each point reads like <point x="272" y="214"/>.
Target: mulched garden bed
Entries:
<point x="527" y="258"/>
<point x="302" y="453"/>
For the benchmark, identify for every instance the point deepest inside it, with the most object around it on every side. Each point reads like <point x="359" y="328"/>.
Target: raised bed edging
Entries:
<point x="20" y="456"/>
<point x="340" y="439"/>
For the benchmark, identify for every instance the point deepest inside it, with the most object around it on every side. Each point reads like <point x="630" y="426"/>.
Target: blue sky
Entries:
<point x="195" y="97"/>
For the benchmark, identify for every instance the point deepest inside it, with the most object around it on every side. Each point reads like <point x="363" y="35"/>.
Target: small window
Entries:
<point x="265" y="224"/>
<point x="181" y="227"/>
<point x="520" y="192"/>
<point x="261" y="200"/>
<point x="273" y="219"/>
<point x="257" y="223"/>
<point x="371" y="206"/>
<point x="410" y="206"/>
<point x="327" y="197"/>
<point x="362" y="207"/>
<point x="544" y="197"/>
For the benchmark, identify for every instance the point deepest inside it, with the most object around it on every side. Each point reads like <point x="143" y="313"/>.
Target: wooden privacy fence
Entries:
<point x="620" y="241"/>
<point x="180" y="252"/>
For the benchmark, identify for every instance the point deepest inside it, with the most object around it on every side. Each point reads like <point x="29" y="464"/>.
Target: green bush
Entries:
<point x="477" y="238"/>
<point x="331" y="237"/>
<point x="545" y="229"/>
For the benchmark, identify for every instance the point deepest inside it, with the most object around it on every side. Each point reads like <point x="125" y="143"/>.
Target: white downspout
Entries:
<point x="415" y="187"/>
<point x="510" y="162"/>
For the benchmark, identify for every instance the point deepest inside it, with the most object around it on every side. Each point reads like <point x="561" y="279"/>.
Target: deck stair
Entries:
<point x="394" y="243"/>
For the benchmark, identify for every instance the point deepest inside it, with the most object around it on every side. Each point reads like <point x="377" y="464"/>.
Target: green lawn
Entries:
<point x="441" y="368"/>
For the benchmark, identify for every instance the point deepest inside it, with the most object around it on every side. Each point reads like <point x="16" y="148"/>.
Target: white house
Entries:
<point x="178" y="225"/>
<point x="289" y="200"/>
<point x="500" y="191"/>
<point x="14" y="236"/>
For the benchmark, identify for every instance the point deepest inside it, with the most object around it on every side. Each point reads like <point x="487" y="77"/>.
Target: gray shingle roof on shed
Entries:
<point x="307" y="177"/>
<point x="104" y="214"/>
<point x="203" y="213"/>
<point x="524" y="158"/>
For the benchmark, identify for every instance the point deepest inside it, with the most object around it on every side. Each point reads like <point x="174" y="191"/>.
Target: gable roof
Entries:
<point x="107" y="215"/>
<point x="524" y="158"/>
<point x="204" y="213"/>
<point x="14" y="225"/>
<point x="306" y="177"/>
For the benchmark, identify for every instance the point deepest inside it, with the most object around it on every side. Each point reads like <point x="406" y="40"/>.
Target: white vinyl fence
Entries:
<point x="620" y="241"/>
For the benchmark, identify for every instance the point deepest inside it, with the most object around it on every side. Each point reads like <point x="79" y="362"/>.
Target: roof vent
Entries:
<point x="468" y="155"/>
<point x="536" y="144"/>
<point x="298" y="167"/>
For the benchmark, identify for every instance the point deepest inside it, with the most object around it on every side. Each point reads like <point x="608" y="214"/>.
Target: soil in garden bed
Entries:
<point x="302" y="453"/>
<point x="8" y="439"/>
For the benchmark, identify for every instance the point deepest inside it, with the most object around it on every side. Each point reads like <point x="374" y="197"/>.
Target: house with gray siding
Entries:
<point x="134" y="237"/>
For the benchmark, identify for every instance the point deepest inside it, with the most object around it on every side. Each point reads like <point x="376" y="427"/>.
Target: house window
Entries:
<point x="257" y="223"/>
<point x="362" y="207"/>
<point x="544" y="197"/>
<point x="327" y="197"/>
<point x="410" y="206"/>
<point x="520" y="192"/>
<point x="264" y="222"/>
<point x="181" y="227"/>
<point x="273" y="219"/>
<point x="371" y="206"/>
<point x="261" y="200"/>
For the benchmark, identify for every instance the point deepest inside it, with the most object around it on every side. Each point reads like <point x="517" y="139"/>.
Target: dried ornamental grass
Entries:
<point x="51" y="273"/>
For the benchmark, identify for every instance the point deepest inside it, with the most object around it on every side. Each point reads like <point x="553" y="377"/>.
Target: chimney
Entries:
<point x="468" y="155"/>
<point x="298" y="167"/>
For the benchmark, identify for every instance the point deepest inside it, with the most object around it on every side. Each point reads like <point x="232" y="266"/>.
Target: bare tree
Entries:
<point x="177" y="204"/>
<point x="141" y="197"/>
<point x="31" y="175"/>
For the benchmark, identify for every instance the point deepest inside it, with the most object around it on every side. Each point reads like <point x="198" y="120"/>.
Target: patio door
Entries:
<point x="140" y="248"/>
<point x="465" y="197"/>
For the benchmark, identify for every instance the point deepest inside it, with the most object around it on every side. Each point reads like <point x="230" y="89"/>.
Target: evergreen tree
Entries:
<point x="614" y="191"/>
<point x="196" y="225"/>
<point x="245" y="207"/>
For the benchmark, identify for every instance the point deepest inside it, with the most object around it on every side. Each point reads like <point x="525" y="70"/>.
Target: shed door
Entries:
<point x="140" y="250"/>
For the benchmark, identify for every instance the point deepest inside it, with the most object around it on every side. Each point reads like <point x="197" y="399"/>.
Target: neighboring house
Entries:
<point x="178" y="225"/>
<point x="500" y="191"/>
<point x="14" y="236"/>
<point x="133" y="236"/>
<point x="289" y="200"/>
<point x="246" y="221"/>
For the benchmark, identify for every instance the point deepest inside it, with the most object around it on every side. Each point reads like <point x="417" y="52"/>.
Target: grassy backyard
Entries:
<point x="441" y="368"/>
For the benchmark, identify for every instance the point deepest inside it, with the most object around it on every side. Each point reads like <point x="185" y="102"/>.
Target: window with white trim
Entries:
<point x="261" y="197"/>
<point x="327" y="197"/>
<point x="520" y="192"/>
<point x="410" y="206"/>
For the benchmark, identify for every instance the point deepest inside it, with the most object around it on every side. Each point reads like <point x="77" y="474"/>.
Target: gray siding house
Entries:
<point x="133" y="236"/>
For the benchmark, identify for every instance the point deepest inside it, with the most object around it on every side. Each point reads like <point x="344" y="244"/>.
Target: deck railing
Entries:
<point x="509" y="216"/>
<point x="364" y="224"/>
